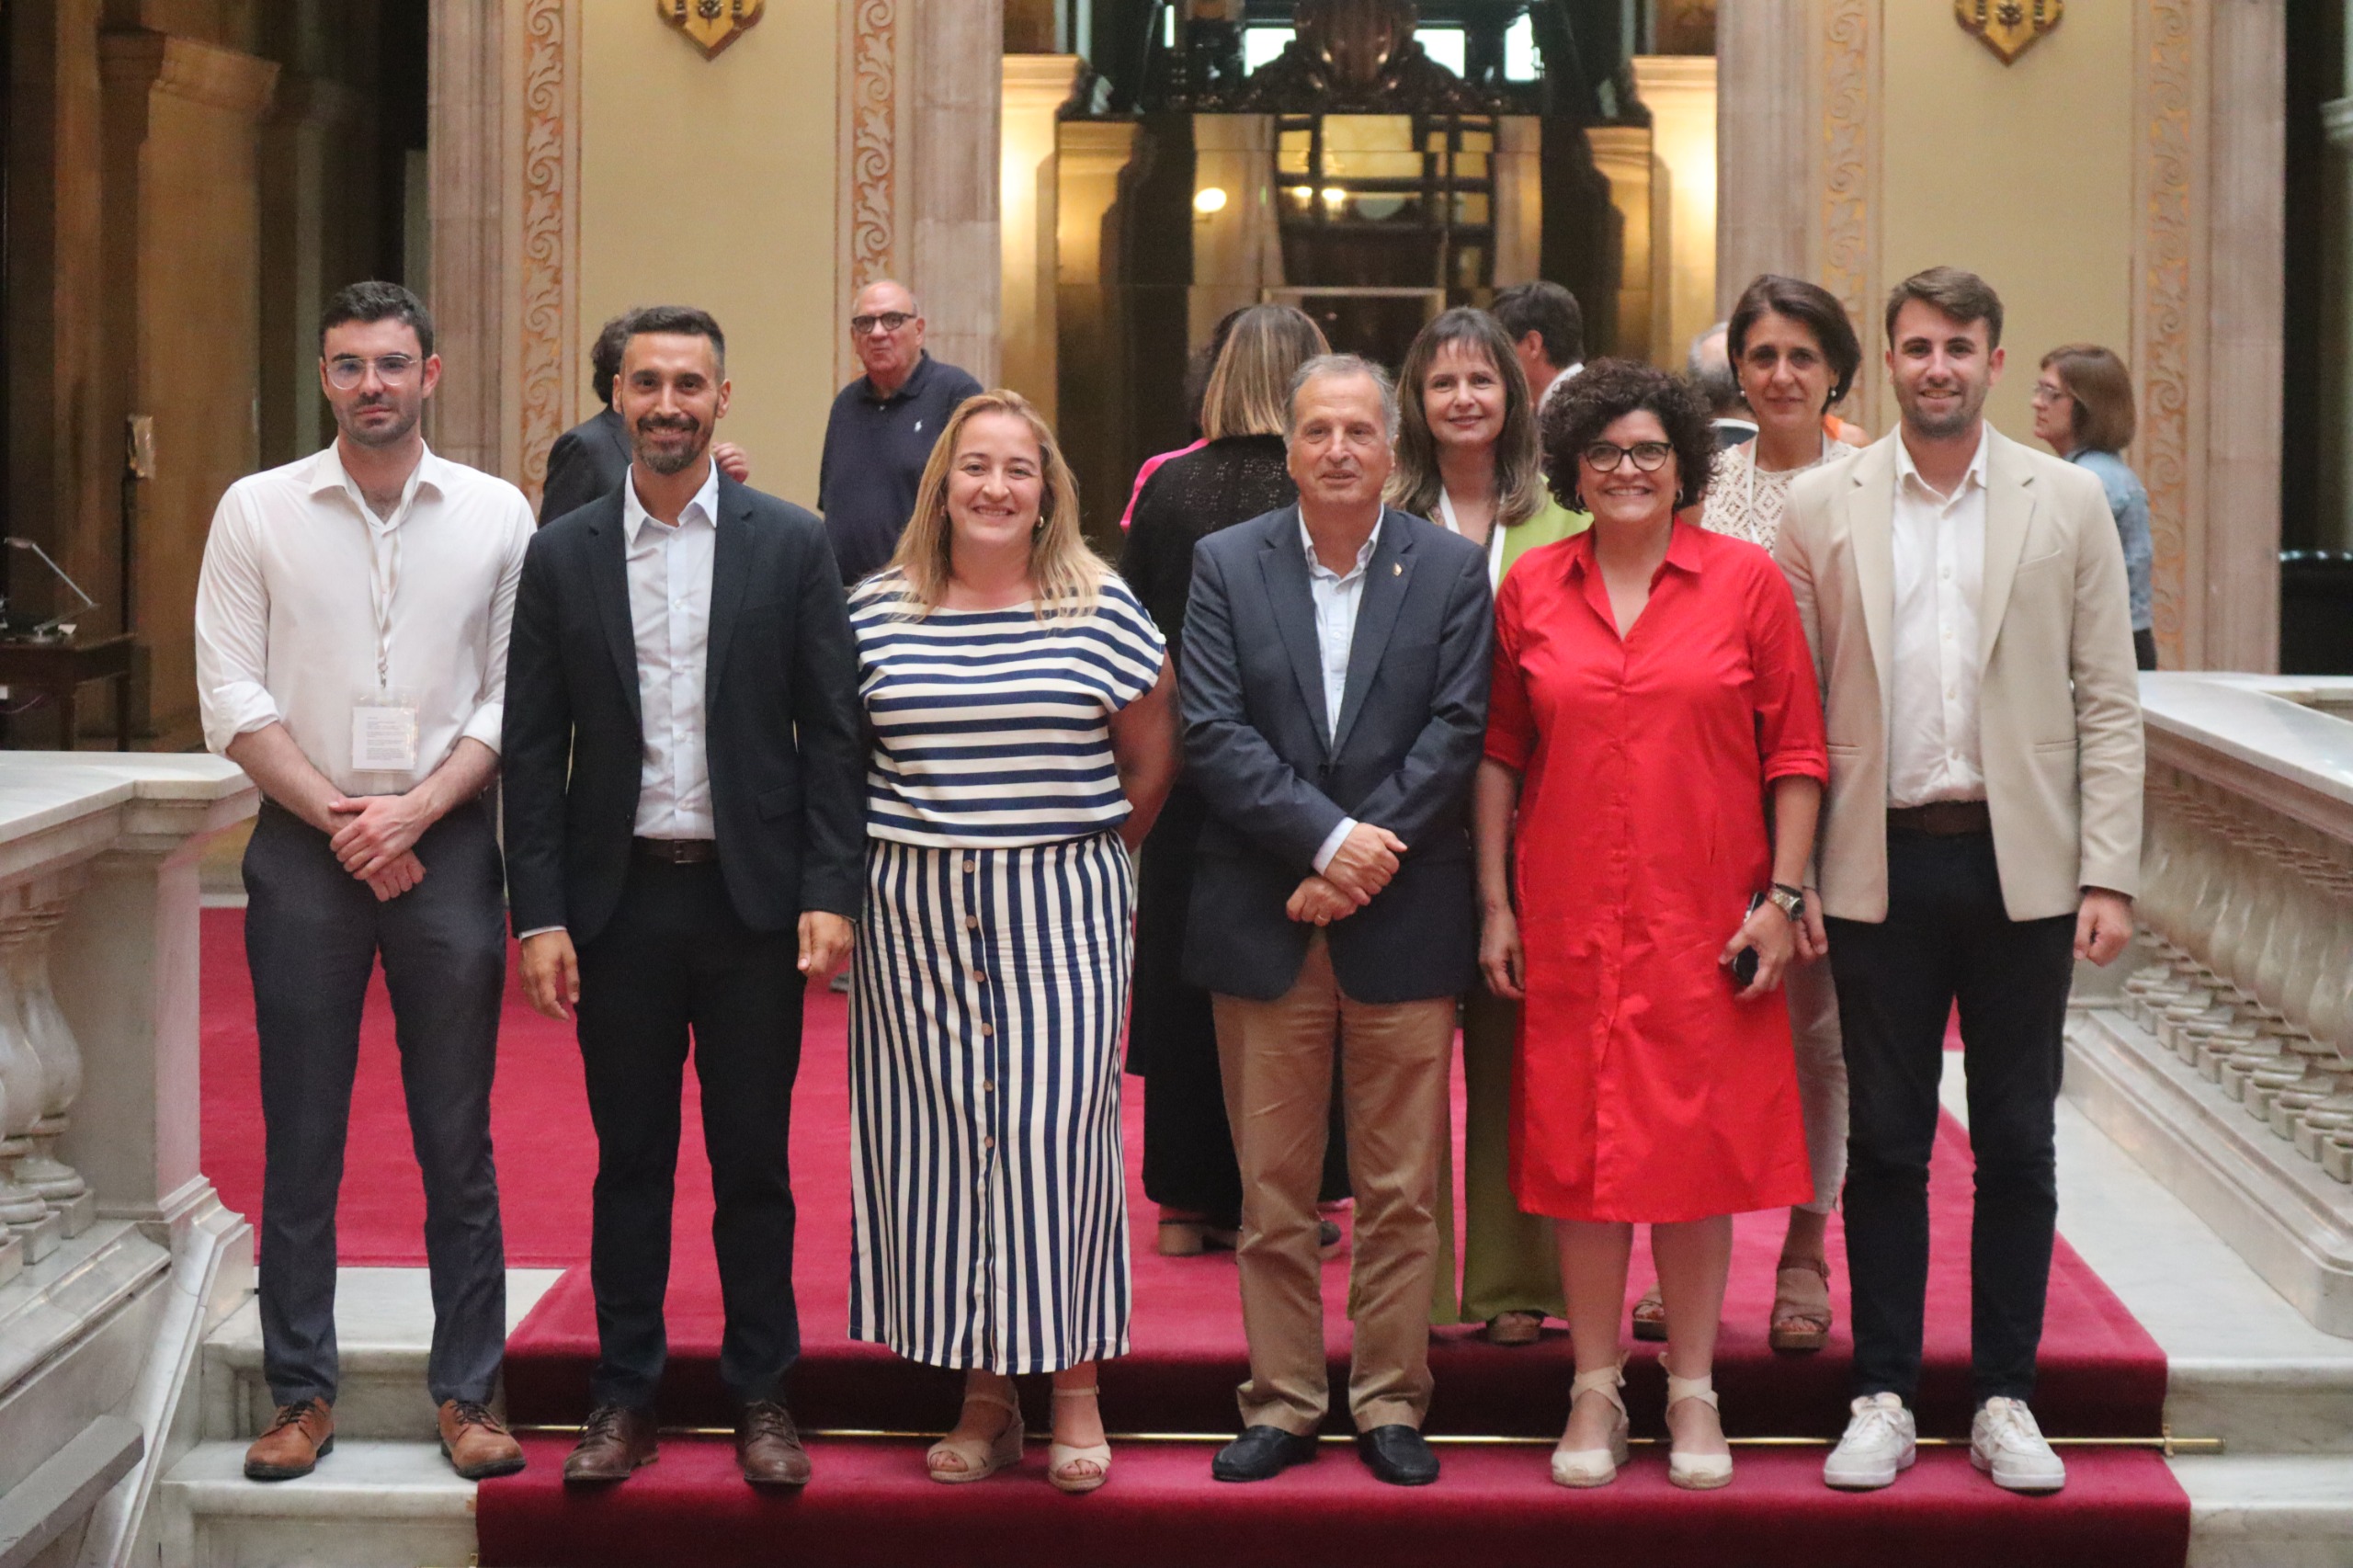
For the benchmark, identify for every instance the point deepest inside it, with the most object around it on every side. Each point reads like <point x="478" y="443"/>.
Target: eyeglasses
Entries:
<point x="346" y="372"/>
<point x="1603" y="456"/>
<point x="2044" y="392"/>
<point x="889" y="321"/>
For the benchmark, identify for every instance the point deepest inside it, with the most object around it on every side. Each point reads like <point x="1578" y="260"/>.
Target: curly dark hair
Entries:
<point x="1607" y="391"/>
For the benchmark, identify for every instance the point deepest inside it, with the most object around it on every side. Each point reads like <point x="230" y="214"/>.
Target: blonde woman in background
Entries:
<point x="1021" y="711"/>
<point x="1469" y="459"/>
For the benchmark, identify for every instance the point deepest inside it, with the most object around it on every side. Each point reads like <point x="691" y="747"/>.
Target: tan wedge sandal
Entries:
<point x="1801" y="1306"/>
<point x="977" y="1459"/>
<point x="1065" y="1461"/>
<point x="1695" y="1472"/>
<point x="1593" y="1466"/>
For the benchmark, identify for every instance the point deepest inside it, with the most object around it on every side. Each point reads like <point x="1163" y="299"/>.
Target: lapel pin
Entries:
<point x="1396" y="569"/>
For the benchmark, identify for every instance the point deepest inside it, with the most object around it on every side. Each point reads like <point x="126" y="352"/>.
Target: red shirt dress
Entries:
<point x="1641" y="1090"/>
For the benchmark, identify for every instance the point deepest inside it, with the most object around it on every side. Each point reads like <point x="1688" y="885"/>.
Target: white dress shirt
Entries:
<point x="1556" y="384"/>
<point x="287" y="611"/>
<point x="1940" y="547"/>
<point x="1337" y="599"/>
<point x="669" y="611"/>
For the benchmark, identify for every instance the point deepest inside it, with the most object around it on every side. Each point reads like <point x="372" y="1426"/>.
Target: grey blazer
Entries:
<point x="1278" y="777"/>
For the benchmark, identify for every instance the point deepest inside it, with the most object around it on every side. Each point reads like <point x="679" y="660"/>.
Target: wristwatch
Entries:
<point x="1790" y="901"/>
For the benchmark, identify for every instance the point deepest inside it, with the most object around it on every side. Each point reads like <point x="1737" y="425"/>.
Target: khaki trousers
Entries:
<point x="1278" y="1057"/>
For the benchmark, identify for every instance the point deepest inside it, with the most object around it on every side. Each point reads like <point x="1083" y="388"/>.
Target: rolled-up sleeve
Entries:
<point x="1789" y="735"/>
<point x="233" y="629"/>
<point x="489" y="717"/>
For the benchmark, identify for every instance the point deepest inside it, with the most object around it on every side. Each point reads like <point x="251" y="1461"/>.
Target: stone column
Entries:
<point x="1035" y="85"/>
<point x="1680" y="92"/>
<point x="1519" y="199"/>
<point x="953" y="262"/>
<point x="2336" y="117"/>
<point x="1622" y="153"/>
<point x="1763" y="65"/>
<point x="467" y="114"/>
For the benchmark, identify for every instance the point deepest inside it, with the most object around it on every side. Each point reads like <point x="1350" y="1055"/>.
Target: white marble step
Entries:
<point x="2269" y="1510"/>
<point x="368" y="1505"/>
<point x="2243" y="1364"/>
<point x="384" y="1332"/>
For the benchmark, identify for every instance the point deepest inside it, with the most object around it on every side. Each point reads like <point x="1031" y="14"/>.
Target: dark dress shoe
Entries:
<point x="613" y="1444"/>
<point x="1261" y="1453"/>
<point x="1397" y="1455"/>
<point x="767" y="1445"/>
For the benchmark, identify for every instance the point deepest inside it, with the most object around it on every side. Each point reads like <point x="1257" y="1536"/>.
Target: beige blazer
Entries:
<point x="2059" y="703"/>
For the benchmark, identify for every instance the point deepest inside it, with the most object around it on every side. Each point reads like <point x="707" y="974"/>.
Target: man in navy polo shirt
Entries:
<point x="882" y="429"/>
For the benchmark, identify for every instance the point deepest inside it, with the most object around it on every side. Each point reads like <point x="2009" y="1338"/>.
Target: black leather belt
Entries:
<point x="678" y="851"/>
<point x="1942" y="819"/>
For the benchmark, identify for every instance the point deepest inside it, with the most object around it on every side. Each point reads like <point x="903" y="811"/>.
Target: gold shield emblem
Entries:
<point x="2009" y="27"/>
<point x="712" y="24"/>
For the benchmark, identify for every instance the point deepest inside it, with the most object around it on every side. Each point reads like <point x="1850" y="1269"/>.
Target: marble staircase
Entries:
<point x="384" y="1498"/>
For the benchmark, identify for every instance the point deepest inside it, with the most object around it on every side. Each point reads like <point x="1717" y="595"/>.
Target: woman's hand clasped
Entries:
<point x="1769" y="932"/>
<point x="1502" y="959"/>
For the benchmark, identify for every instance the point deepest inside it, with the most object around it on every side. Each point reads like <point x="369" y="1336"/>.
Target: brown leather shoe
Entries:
<point x="476" y="1443"/>
<point x="300" y="1434"/>
<point x="613" y="1444"/>
<point x="767" y="1445"/>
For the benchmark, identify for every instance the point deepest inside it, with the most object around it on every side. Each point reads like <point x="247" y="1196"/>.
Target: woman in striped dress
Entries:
<point x="1024" y="735"/>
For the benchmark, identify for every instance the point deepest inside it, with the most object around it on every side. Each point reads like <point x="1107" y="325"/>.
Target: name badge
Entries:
<point x="383" y="734"/>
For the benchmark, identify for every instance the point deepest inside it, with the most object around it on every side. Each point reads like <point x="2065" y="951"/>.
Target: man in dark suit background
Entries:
<point x="1335" y="690"/>
<point x="592" y="457"/>
<point x="685" y="799"/>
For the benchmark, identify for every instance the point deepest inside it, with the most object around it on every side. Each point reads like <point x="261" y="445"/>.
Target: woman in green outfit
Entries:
<point x="1469" y="459"/>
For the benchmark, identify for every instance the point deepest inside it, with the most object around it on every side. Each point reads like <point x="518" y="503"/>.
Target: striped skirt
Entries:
<point x="989" y="1217"/>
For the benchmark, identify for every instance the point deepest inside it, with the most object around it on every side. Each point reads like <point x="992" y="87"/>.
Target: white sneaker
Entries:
<point x="1882" y="1439"/>
<point x="2005" y="1444"/>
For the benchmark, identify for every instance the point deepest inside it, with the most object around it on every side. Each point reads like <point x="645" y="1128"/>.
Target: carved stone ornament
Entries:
<point x="712" y="24"/>
<point x="2009" y="27"/>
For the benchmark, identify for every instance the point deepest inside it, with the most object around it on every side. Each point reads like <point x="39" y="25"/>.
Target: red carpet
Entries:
<point x="2102" y="1376"/>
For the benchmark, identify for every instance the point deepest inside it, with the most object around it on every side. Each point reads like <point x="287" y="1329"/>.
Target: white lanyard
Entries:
<point x="1495" y="536"/>
<point x="383" y="582"/>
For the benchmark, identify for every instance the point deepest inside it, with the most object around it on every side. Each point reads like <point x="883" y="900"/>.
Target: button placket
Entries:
<point x="987" y="1218"/>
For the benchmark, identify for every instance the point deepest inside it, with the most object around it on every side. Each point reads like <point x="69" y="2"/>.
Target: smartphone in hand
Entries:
<point x="1743" y="962"/>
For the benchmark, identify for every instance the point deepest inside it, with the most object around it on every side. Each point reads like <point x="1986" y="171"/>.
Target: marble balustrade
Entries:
<point x="2220" y="1050"/>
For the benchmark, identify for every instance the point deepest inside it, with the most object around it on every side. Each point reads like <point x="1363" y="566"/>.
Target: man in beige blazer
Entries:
<point x="1965" y="596"/>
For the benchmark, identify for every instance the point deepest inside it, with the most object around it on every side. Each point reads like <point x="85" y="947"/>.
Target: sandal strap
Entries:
<point x="1701" y="1389"/>
<point x="1089" y="1392"/>
<point x="982" y="1396"/>
<point x="1805" y="1265"/>
<point x="1603" y="1381"/>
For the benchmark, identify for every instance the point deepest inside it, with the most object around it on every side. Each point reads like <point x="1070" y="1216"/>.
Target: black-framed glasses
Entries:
<point x="889" y="321"/>
<point x="346" y="372"/>
<point x="1603" y="456"/>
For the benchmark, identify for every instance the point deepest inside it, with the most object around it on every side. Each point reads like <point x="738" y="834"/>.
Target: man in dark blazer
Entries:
<point x="685" y="799"/>
<point x="1335" y="690"/>
<point x="590" y="460"/>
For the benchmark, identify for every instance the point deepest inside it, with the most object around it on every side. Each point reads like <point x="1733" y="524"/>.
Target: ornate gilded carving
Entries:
<point x="2009" y="28"/>
<point x="547" y="179"/>
<point x="712" y="25"/>
<point x="873" y="142"/>
<point x="2166" y="286"/>
<point x="1847" y="260"/>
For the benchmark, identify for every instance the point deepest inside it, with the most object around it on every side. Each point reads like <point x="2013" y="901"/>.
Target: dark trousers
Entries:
<point x="2144" y="649"/>
<point x="1946" y="939"/>
<point x="312" y="936"/>
<point x="676" y="958"/>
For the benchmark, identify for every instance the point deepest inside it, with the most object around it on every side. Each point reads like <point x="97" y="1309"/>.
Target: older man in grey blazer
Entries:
<point x="1334" y="689"/>
<point x="1965" y="598"/>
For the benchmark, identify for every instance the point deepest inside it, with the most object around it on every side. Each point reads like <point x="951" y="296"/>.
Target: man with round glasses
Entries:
<point x="351" y="627"/>
<point x="882" y="429"/>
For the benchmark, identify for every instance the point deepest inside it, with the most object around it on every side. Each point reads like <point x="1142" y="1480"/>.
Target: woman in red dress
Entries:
<point x="1653" y="692"/>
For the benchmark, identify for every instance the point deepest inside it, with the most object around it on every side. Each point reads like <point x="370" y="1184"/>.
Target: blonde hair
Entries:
<point x="1249" y="392"/>
<point x="1064" y="574"/>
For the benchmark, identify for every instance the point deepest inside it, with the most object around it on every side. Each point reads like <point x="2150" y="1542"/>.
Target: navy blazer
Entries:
<point x="784" y="727"/>
<point x="587" y="462"/>
<point x="1278" y="779"/>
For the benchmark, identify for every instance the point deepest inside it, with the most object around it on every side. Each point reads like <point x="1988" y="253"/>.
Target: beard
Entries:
<point x="665" y="458"/>
<point x="405" y="420"/>
<point x="1944" y="427"/>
